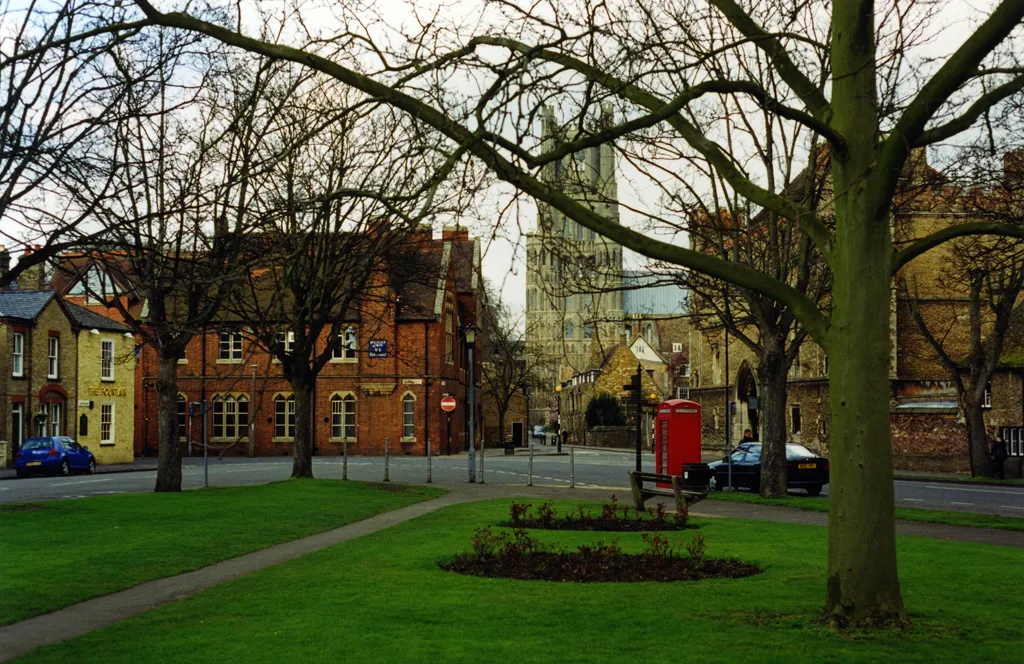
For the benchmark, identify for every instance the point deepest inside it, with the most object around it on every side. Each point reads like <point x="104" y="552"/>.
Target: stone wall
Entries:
<point x="617" y="437"/>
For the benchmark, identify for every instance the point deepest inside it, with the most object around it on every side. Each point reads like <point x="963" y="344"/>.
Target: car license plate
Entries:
<point x="34" y="463"/>
<point x="807" y="465"/>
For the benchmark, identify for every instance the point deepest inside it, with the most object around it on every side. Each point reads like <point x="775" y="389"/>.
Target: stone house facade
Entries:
<point x="928" y="430"/>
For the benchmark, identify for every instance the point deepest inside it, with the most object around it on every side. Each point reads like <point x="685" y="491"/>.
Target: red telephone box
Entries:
<point x="677" y="437"/>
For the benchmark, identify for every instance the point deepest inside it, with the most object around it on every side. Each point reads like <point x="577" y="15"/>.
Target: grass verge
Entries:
<point x="382" y="598"/>
<point x="62" y="552"/>
<point x="905" y="513"/>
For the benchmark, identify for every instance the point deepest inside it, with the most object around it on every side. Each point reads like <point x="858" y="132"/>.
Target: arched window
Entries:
<point x="569" y="329"/>
<point x="408" y="416"/>
<point x="284" y="416"/>
<point x="648" y="332"/>
<point x="588" y="331"/>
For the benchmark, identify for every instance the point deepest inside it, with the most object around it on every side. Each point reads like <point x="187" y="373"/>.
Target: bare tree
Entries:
<point x="338" y="211"/>
<point x="181" y="156"/>
<point x="989" y="275"/>
<point x="55" y="102"/>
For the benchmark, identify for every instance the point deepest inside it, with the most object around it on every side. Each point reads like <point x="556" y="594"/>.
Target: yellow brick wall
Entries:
<point x="120" y="393"/>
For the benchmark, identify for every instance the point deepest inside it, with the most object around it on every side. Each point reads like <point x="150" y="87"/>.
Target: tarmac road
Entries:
<point x="593" y="469"/>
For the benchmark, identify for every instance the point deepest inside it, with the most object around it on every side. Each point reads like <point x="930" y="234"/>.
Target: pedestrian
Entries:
<point x="997" y="455"/>
<point x="748" y="436"/>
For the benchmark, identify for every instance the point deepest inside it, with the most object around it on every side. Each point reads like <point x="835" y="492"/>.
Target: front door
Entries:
<point x="517" y="434"/>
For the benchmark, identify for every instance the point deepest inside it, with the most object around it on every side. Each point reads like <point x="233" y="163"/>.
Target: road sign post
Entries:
<point x="634" y="386"/>
<point x="448" y="404"/>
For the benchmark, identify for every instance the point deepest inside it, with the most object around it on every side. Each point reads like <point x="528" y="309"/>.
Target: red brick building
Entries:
<point x="402" y="353"/>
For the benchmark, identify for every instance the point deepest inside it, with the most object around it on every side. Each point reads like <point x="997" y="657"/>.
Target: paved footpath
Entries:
<point x="73" y="621"/>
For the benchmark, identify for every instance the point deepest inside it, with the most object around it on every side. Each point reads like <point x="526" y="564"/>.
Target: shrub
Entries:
<point x="604" y="410"/>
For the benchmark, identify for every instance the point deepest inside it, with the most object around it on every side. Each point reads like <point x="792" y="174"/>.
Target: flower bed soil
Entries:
<point x="582" y="568"/>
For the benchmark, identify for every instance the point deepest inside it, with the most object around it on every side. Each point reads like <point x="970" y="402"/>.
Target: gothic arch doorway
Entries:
<point x="748" y="415"/>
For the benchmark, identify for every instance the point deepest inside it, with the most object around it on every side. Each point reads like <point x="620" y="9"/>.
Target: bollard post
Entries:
<point x="483" y="447"/>
<point x="344" y="457"/>
<point x="572" y="467"/>
<point x="430" y="479"/>
<point x="386" y="478"/>
<point x="530" y="482"/>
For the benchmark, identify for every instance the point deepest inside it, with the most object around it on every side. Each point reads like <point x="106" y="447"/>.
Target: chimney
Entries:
<point x="455" y="233"/>
<point x="1013" y="168"/>
<point x="33" y="277"/>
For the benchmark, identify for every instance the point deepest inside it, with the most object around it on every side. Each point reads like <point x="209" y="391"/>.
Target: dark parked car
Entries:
<point x="804" y="469"/>
<point x="53" y="454"/>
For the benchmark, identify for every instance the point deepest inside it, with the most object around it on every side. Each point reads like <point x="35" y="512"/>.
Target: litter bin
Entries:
<point x="696" y="476"/>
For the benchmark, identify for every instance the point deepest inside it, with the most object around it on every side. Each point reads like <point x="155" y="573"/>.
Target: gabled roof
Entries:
<point x="23" y="304"/>
<point x="90" y="320"/>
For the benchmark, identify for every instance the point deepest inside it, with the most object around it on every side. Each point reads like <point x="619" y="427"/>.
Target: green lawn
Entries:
<point x="382" y="599"/>
<point x="61" y="552"/>
<point x="820" y="504"/>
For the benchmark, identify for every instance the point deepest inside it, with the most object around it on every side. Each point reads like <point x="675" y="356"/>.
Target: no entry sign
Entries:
<point x="448" y="404"/>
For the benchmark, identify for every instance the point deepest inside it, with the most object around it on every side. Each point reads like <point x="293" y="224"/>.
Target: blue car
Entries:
<point x="53" y="454"/>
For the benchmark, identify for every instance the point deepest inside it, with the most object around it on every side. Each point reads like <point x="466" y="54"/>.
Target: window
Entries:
<point x="230" y="346"/>
<point x="49" y="416"/>
<point x="677" y="347"/>
<point x="986" y="399"/>
<point x="284" y="416"/>
<point x="285" y="341"/>
<point x="794" y="415"/>
<point x="343" y="417"/>
<point x="569" y="331"/>
<point x="588" y="331"/>
<point x="182" y="416"/>
<point x="107" y="424"/>
<point x="649" y="332"/>
<point x="579" y="232"/>
<point x="53" y="358"/>
<point x="449" y="329"/>
<point x="629" y="332"/>
<point x="408" y="416"/>
<point x="347" y="345"/>
<point x="107" y="359"/>
<point x="230" y="417"/>
<point x="18" y="355"/>
<point x="587" y="301"/>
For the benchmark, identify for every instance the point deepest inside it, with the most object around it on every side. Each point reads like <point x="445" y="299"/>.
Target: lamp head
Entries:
<point x="558" y="388"/>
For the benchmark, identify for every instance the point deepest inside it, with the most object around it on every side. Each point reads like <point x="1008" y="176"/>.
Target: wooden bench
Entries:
<point x="684" y="498"/>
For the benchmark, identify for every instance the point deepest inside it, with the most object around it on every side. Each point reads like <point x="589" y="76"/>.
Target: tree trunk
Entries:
<point x="977" y="441"/>
<point x="168" y="471"/>
<point x="302" y="462"/>
<point x="863" y="583"/>
<point x="772" y="379"/>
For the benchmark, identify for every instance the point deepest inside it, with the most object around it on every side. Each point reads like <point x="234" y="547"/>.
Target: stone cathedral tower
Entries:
<point x="573" y="276"/>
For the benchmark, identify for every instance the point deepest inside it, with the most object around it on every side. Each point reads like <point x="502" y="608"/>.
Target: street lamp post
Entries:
<point x="558" y="423"/>
<point x="471" y="340"/>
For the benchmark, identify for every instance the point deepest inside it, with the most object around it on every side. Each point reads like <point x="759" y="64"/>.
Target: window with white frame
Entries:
<point x="347" y="348"/>
<point x="107" y="359"/>
<point x="107" y="424"/>
<point x="18" y="354"/>
<point x="230" y="346"/>
<point x="53" y="358"/>
<point x="343" y="417"/>
<point x="408" y="416"/>
<point x="230" y="417"/>
<point x="284" y="416"/>
<point x="986" y="399"/>
<point x="286" y="341"/>
<point x="677" y="347"/>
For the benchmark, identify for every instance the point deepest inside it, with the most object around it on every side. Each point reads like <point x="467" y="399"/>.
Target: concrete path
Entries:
<point x="73" y="621"/>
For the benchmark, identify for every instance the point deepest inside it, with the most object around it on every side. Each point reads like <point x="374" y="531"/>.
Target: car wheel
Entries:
<point x="65" y="469"/>
<point x="91" y="470"/>
<point x="814" y="490"/>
